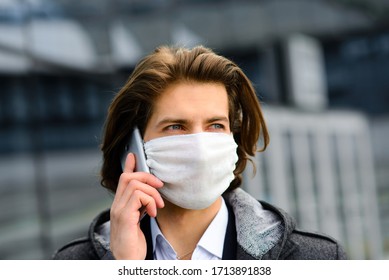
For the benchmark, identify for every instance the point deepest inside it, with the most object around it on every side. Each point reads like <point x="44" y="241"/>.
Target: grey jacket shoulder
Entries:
<point x="86" y="248"/>
<point x="79" y="249"/>
<point x="312" y="246"/>
<point x="303" y="245"/>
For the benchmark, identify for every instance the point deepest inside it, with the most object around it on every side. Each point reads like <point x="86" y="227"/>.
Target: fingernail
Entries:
<point x="159" y="181"/>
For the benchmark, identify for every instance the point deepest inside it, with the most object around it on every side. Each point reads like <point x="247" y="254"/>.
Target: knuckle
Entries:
<point x="114" y="213"/>
<point x="137" y="193"/>
<point x="124" y="177"/>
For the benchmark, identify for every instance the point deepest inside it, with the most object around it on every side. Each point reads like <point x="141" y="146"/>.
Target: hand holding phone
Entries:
<point x="135" y="146"/>
<point x="136" y="193"/>
<point x="134" y="190"/>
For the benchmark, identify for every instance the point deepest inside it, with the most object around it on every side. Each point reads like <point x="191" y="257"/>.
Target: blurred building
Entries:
<point x="62" y="61"/>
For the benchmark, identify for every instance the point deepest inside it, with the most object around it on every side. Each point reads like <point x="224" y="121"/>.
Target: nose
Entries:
<point x="197" y="128"/>
<point x="197" y="131"/>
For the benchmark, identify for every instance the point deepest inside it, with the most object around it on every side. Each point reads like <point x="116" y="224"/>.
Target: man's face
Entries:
<point x="189" y="107"/>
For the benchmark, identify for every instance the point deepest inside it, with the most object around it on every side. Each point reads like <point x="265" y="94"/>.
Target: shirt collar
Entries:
<point x="212" y="240"/>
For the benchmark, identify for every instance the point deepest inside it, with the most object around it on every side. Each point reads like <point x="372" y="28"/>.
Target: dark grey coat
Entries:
<point x="258" y="231"/>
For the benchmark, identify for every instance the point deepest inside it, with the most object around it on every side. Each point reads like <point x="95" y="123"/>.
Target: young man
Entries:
<point x="200" y="121"/>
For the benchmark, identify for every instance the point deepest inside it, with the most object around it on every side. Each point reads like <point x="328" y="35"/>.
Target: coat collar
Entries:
<point x="259" y="229"/>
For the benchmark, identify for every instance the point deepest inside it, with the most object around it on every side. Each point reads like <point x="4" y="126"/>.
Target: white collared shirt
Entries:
<point x="210" y="246"/>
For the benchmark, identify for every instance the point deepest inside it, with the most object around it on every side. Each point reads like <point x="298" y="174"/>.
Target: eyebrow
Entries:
<point x="172" y="120"/>
<point x="184" y="121"/>
<point x="218" y="119"/>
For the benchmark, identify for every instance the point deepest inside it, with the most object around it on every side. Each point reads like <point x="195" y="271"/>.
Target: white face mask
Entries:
<point x="195" y="168"/>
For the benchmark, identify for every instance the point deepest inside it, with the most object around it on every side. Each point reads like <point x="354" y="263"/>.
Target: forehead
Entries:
<point x="192" y="96"/>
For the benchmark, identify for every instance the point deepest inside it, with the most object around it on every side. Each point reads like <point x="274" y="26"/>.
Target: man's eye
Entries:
<point x="174" y="127"/>
<point x="217" y="126"/>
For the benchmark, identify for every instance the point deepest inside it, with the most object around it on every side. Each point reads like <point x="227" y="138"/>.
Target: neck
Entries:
<point x="183" y="228"/>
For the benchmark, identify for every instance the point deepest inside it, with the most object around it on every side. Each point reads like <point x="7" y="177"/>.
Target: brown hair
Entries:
<point x="133" y="105"/>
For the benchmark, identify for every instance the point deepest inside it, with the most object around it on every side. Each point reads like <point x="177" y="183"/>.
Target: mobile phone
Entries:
<point x="135" y="146"/>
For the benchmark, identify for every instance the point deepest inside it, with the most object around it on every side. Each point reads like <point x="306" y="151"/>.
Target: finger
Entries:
<point x="133" y="186"/>
<point x="142" y="177"/>
<point x="147" y="202"/>
<point x="131" y="212"/>
<point x="129" y="166"/>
